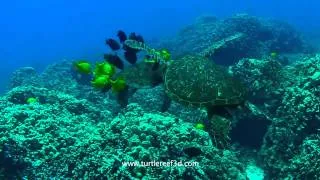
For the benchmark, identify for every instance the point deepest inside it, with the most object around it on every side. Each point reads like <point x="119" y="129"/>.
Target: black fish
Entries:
<point x="131" y="56"/>
<point x="113" y="44"/>
<point x="122" y="36"/>
<point x="139" y="38"/>
<point x="115" y="60"/>
<point x="134" y="36"/>
<point x="129" y="49"/>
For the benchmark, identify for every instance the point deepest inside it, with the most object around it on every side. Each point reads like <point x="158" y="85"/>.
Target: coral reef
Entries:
<point x="150" y="99"/>
<point x="289" y="95"/>
<point x="69" y="138"/>
<point x="61" y="77"/>
<point x="306" y="163"/>
<point x="296" y="117"/>
<point x="35" y="135"/>
<point x="262" y="77"/>
<point x="25" y="75"/>
<point x="72" y="131"/>
<point x="260" y="38"/>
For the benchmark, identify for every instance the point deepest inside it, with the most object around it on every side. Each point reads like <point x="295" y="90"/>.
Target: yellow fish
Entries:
<point x="82" y="66"/>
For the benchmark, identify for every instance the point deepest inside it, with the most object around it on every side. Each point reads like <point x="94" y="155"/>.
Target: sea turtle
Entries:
<point x="194" y="80"/>
<point x="197" y="81"/>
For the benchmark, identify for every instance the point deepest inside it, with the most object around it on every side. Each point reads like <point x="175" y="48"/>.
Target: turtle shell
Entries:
<point x="197" y="81"/>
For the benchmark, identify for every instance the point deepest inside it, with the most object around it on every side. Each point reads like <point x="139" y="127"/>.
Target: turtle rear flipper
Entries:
<point x="219" y="128"/>
<point x="224" y="111"/>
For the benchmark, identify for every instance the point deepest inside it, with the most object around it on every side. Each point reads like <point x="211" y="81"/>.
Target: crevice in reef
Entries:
<point x="250" y="132"/>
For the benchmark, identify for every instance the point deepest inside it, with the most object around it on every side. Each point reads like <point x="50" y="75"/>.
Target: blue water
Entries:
<point x="36" y="33"/>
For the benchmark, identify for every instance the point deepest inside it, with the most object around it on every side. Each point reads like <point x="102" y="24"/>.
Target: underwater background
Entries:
<point x="36" y="33"/>
<point x="160" y="90"/>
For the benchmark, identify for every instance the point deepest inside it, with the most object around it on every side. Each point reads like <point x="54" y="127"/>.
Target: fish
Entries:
<point x="131" y="56"/>
<point x="114" y="60"/>
<point x="132" y="36"/>
<point x="126" y="48"/>
<point x="113" y="44"/>
<point x="122" y="36"/>
<point x="82" y="66"/>
<point x="138" y="38"/>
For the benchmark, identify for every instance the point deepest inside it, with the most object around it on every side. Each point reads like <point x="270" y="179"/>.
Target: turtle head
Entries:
<point x="155" y="56"/>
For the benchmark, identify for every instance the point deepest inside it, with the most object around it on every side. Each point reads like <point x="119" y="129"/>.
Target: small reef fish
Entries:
<point x="82" y="66"/>
<point x="130" y="54"/>
<point x="113" y="44"/>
